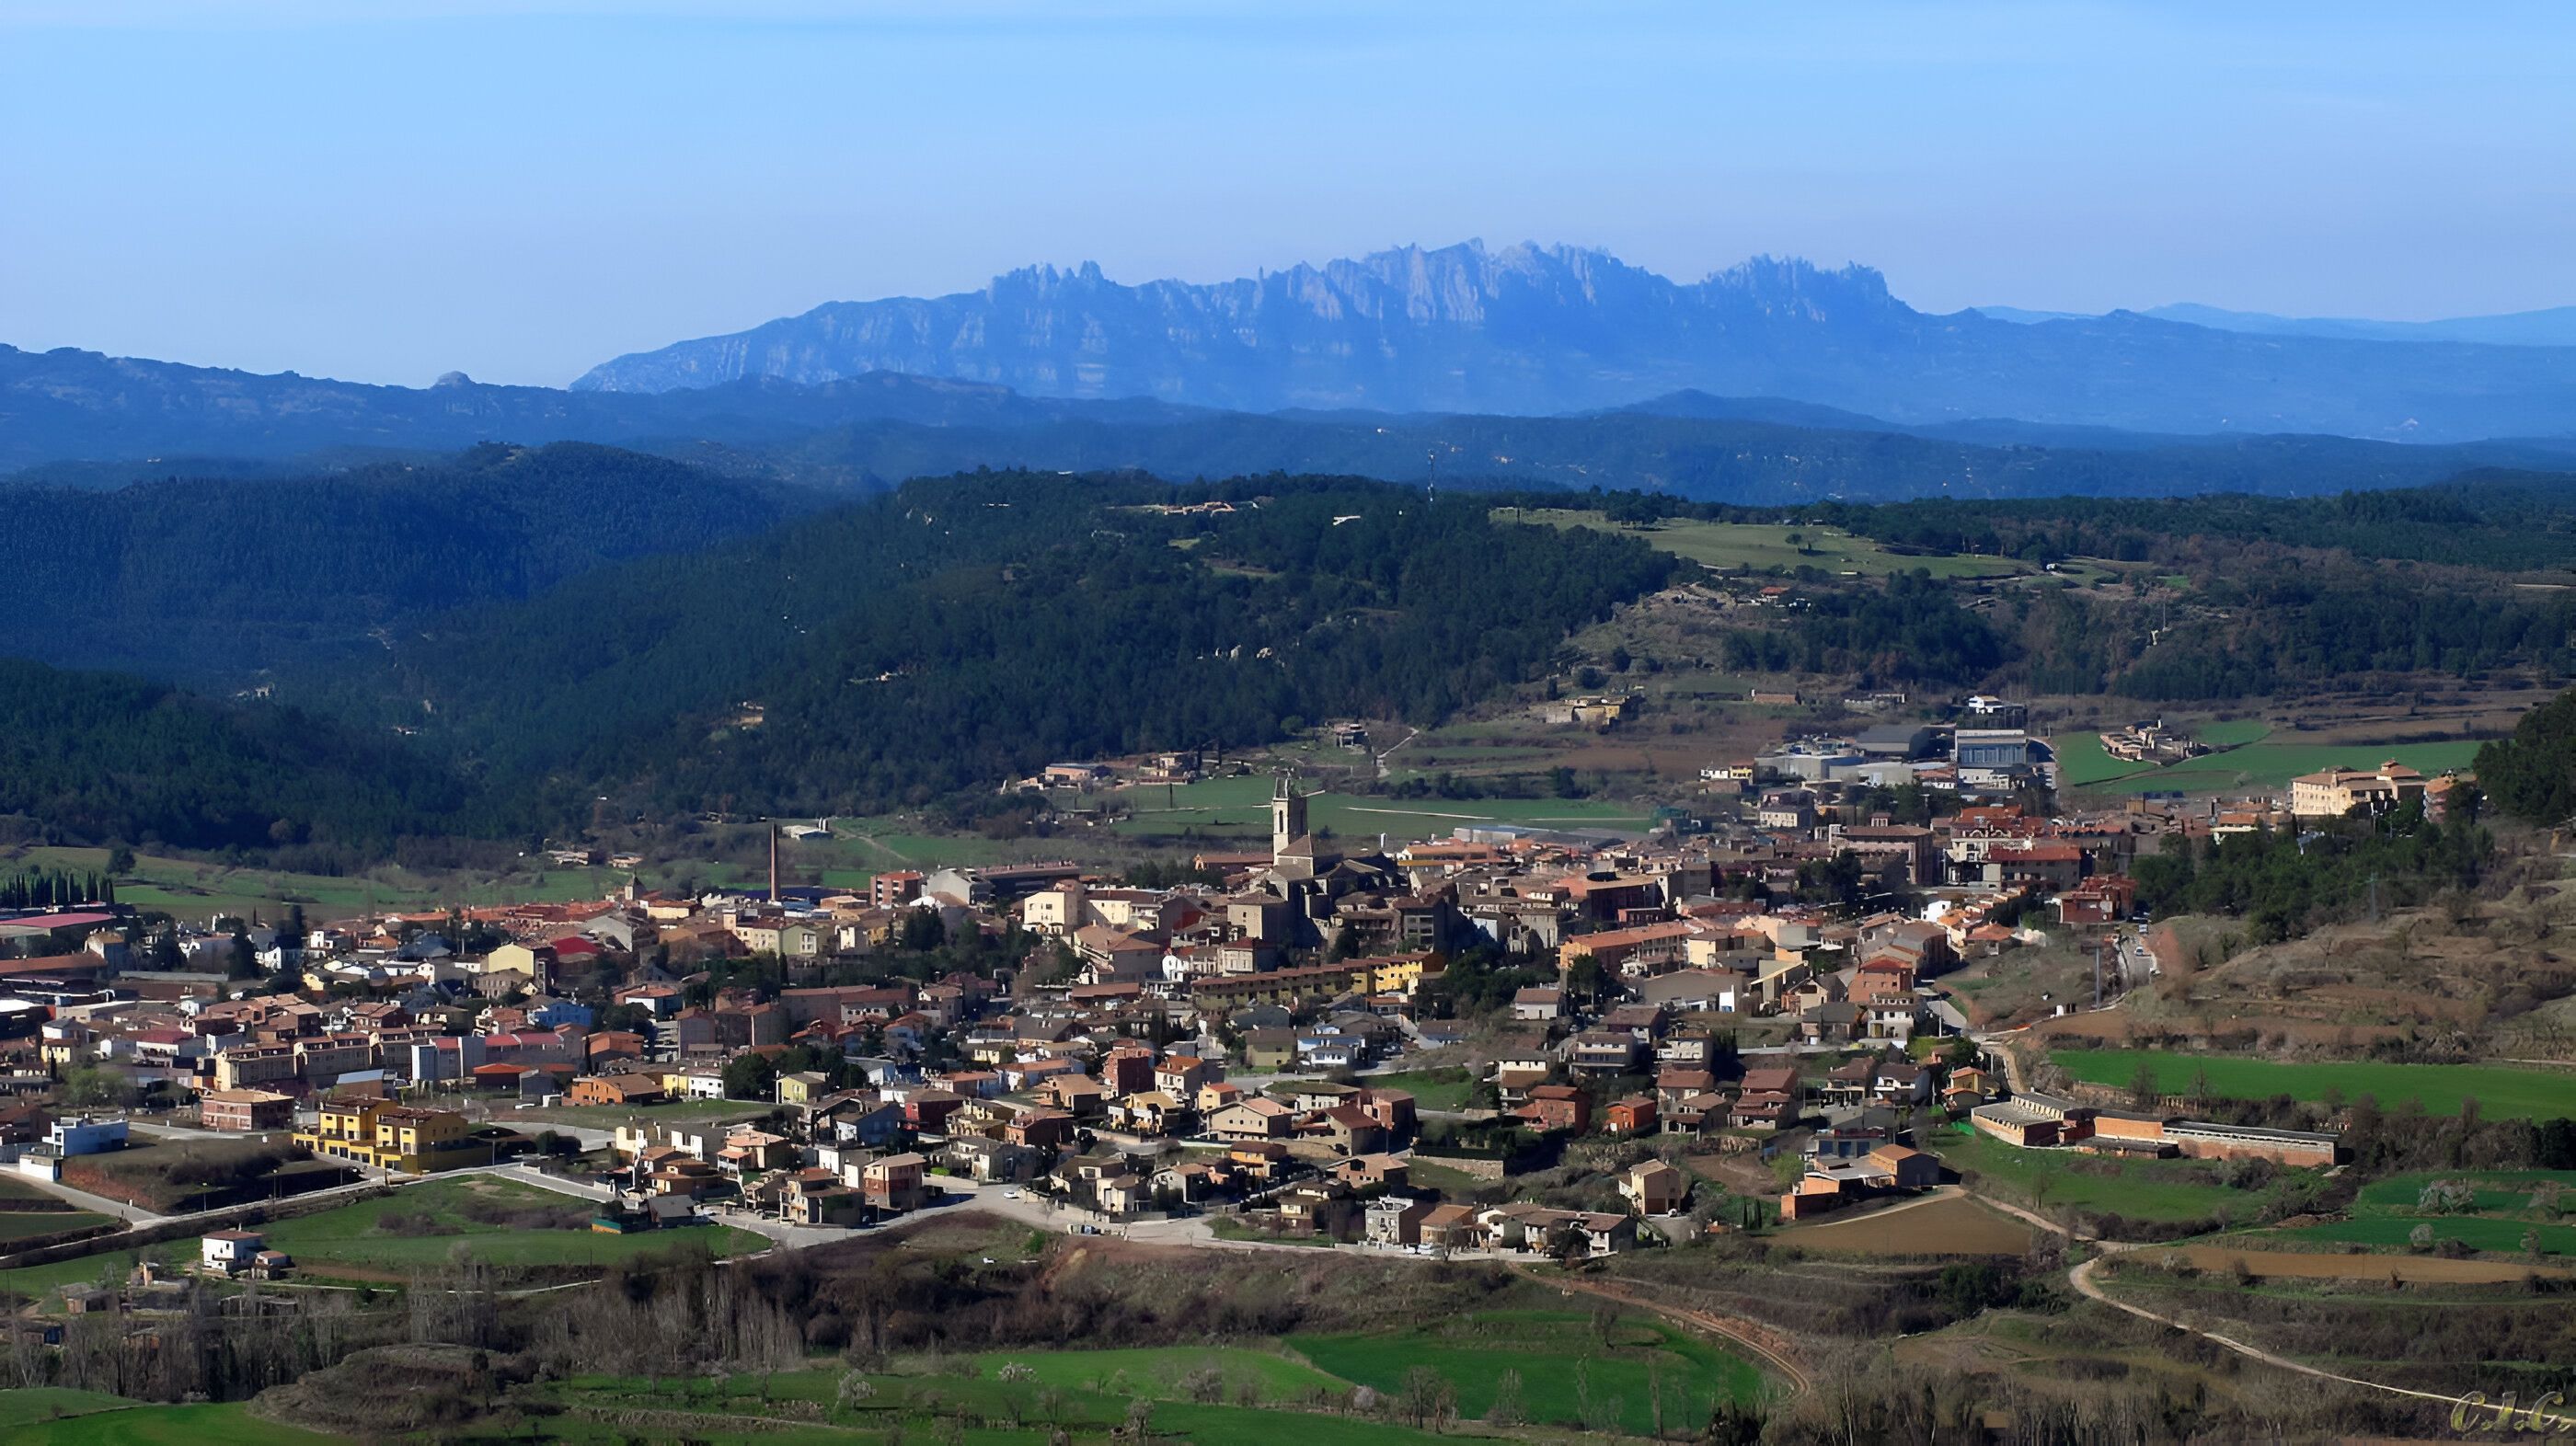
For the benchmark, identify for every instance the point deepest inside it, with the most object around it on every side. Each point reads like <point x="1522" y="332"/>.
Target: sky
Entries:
<point x="388" y="190"/>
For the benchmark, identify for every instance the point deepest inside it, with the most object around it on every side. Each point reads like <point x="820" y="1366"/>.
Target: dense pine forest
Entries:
<point x="210" y="578"/>
<point x="490" y="644"/>
<point x="965" y="630"/>
<point x="94" y="756"/>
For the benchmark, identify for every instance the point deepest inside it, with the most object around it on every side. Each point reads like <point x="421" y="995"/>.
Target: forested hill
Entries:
<point x="95" y="757"/>
<point x="875" y="431"/>
<point x="211" y="580"/>
<point x="966" y="630"/>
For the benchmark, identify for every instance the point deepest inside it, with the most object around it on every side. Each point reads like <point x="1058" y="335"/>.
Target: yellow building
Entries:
<point x="404" y="1138"/>
<point x="343" y="1129"/>
<point x="1398" y="974"/>
<point x="2338" y="791"/>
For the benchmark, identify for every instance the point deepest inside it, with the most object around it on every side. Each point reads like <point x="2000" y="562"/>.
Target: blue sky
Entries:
<point x="521" y="190"/>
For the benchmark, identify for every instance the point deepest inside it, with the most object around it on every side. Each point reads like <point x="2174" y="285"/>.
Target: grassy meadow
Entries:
<point x="498" y="1222"/>
<point x="2502" y="1091"/>
<point x="2268" y="764"/>
<point x="1766" y="547"/>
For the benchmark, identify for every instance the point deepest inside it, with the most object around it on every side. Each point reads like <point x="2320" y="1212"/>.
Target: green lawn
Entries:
<point x="1560" y="1357"/>
<point x="1432" y="1089"/>
<point x="2502" y="1091"/>
<point x="352" y="1237"/>
<point x="2138" y="1189"/>
<point x="228" y="1424"/>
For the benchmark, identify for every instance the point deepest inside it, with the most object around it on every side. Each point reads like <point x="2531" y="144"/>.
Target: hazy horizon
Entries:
<point x="522" y="191"/>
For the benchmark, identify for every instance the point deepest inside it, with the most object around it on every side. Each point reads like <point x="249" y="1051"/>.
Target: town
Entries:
<point x="1684" y="1015"/>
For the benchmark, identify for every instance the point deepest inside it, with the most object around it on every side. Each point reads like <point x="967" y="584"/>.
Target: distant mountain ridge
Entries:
<point x="2551" y="326"/>
<point x="80" y="420"/>
<point x="1531" y="330"/>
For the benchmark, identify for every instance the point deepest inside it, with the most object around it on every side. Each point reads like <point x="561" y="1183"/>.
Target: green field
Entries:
<point x="1161" y="1372"/>
<point x="188" y="889"/>
<point x="352" y="1238"/>
<point x="2502" y="1091"/>
<point x="1225" y="810"/>
<point x="2265" y="765"/>
<point x="29" y="1404"/>
<point x="1560" y="1356"/>
<point x="1089" y="1393"/>
<point x="2081" y="763"/>
<point x="2386" y="1213"/>
<point x="2153" y="1190"/>
<point x="27" y="1224"/>
<point x="228" y="1424"/>
<point x="1765" y="547"/>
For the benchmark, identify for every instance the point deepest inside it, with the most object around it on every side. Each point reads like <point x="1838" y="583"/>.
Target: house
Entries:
<point x="1907" y="1168"/>
<point x="1394" y="1220"/>
<point x="989" y="1161"/>
<point x="1672" y="1086"/>
<point x="1604" y="1052"/>
<point x="817" y="1197"/>
<point x="894" y="1183"/>
<point x="1538" y="1004"/>
<point x="1181" y="1075"/>
<point x="1322" y="1095"/>
<point x="1150" y="1113"/>
<point x="229" y="1252"/>
<point x="1373" y="1172"/>
<point x="1900" y="1083"/>
<point x="1349" y="1130"/>
<point x="1392" y="1108"/>
<point x="802" y="1087"/>
<point x="618" y="1089"/>
<point x="1634" y="1115"/>
<point x="1304" y="1207"/>
<point x="1558" y="1107"/>
<point x="245" y="1110"/>
<point x="1253" y="1118"/>
<point x="1451" y="1227"/>
<point x="1078" y="1095"/>
<point x="1259" y="1159"/>
<point x="1652" y="1187"/>
<point x="747" y="1151"/>
<point x="1270" y="1049"/>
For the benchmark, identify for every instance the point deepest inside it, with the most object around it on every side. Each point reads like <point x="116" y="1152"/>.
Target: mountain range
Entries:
<point x="2551" y="326"/>
<point x="1536" y="330"/>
